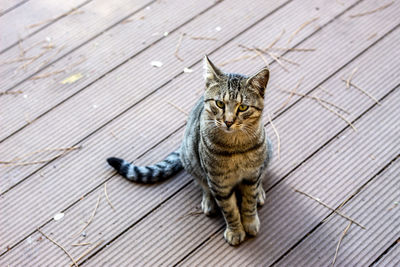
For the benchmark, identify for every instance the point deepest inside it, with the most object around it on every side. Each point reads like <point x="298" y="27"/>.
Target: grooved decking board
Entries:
<point x="65" y="229"/>
<point x="102" y="55"/>
<point x="117" y="91"/>
<point x="15" y="24"/>
<point x="150" y="137"/>
<point x="37" y="99"/>
<point x="8" y="5"/>
<point x="374" y="207"/>
<point x="332" y="175"/>
<point x="70" y="32"/>
<point x="76" y="187"/>
<point x="94" y="197"/>
<point x="392" y="258"/>
<point x="163" y="253"/>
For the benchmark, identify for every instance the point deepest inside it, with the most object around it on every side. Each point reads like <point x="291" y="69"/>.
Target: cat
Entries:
<point x="225" y="148"/>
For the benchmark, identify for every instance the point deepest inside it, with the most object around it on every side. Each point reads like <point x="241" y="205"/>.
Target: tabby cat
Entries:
<point x="225" y="148"/>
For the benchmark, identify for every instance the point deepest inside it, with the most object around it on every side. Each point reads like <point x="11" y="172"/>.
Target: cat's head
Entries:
<point x="233" y="101"/>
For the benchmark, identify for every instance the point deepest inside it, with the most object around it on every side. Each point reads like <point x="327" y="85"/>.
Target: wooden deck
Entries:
<point x="77" y="74"/>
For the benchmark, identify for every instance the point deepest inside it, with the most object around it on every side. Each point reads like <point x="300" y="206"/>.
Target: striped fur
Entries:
<point x="148" y="174"/>
<point x="225" y="148"/>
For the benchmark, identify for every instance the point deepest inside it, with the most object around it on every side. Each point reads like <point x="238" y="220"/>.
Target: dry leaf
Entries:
<point x="72" y="78"/>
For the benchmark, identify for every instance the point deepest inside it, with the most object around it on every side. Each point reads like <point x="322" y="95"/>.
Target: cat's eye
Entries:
<point x="220" y="104"/>
<point x="243" y="108"/>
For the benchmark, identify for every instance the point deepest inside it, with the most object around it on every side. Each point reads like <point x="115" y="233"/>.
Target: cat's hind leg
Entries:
<point x="208" y="204"/>
<point x="261" y="195"/>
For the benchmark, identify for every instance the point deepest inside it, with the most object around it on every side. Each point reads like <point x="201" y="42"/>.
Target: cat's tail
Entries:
<point x="148" y="174"/>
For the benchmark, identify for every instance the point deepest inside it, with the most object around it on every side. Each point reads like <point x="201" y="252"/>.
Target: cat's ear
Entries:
<point x="259" y="81"/>
<point x="211" y="72"/>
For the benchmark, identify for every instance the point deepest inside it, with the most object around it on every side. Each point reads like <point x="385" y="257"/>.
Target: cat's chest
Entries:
<point x="240" y="165"/>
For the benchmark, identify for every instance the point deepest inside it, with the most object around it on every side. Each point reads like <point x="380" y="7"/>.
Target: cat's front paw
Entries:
<point x="234" y="237"/>
<point x="251" y="225"/>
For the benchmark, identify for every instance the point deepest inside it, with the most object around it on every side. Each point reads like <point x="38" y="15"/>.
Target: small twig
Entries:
<point x="91" y="217"/>
<point x="39" y="23"/>
<point x="74" y="11"/>
<point x="108" y="200"/>
<point x="237" y="59"/>
<point x="294" y="49"/>
<point x="81" y="244"/>
<point x="88" y="251"/>
<point x="340" y="241"/>
<point x="277" y="136"/>
<point x="192" y="213"/>
<point x="33" y="60"/>
<point x="178" y="46"/>
<point x="277" y="61"/>
<point x="16" y="60"/>
<point x="365" y="92"/>
<point x="323" y="89"/>
<point x="21" y="49"/>
<point x="340" y="3"/>
<point x="302" y="26"/>
<point x="372" y="36"/>
<point x="178" y="108"/>
<point x="292" y="92"/>
<point x="57" y="71"/>
<point x="287" y="60"/>
<point x="351" y="77"/>
<point x="11" y="93"/>
<point x="372" y="11"/>
<point x="58" y="245"/>
<point x="336" y="113"/>
<point x="261" y="56"/>
<point x="51" y="58"/>
<point x="315" y="98"/>
<point x="332" y="209"/>
<point x="46" y="75"/>
<point x="276" y="39"/>
<point x="203" y="38"/>
<point x="65" y="149"/>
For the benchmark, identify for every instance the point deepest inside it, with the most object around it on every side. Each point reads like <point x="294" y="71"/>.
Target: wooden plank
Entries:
<point x="392" y="257"/>
<point x="148" y="134"/>
<point x="337" y="171"/>
<point x="21" y="22"/>
<point x="374" y="206"/>
<point x="102" y="101"/>
<point x="51" y="91"/>
<point x="67" y="34"/>
<point x="159" y="123"/>
<point x="315" y="136"/>
<point x="8" y="5"/>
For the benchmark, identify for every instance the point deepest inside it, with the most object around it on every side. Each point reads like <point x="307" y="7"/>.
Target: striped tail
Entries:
<point x="148" y="174"/>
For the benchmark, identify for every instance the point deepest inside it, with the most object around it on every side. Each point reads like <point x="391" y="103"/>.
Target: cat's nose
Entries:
<point x="228" y="123"/>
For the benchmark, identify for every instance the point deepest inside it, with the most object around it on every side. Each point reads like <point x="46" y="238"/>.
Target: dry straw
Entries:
<point x="178" y="46"/>
<point x="332" y="209"/>
<point x="365" y="92"/>
<point x="108" y="199"/>
<point x="277" y="136"/>
<point x="292" y="92"/>
<point x="84" y="254"/>
<point x="372" y="11"/>
<point x="340" y="241"/>
<point x="54" y="242"/>
<point x="302" y="26"/>
<point x="336" y="113"/>
<point x="90" y="219"/>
